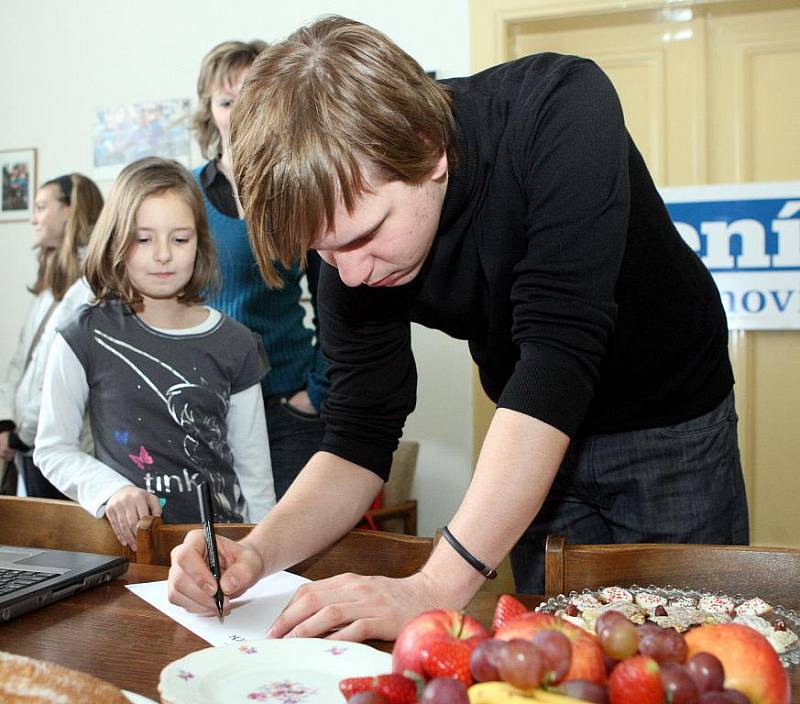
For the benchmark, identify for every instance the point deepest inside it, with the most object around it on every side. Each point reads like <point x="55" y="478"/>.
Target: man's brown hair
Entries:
<point x="115" y="231"/>
<point x="221" y="65"/>
<point x="59" y="268"/>
<point x="313" y="111"/>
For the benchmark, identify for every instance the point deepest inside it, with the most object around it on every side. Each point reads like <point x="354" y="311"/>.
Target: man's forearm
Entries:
<point x="326" y="500"/>
<point x="516" y="467"/>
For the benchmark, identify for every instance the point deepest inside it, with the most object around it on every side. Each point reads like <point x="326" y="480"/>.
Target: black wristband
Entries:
<point x="486" y="571"/>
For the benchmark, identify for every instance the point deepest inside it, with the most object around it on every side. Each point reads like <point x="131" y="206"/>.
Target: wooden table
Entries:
<point x="111" y="633"/>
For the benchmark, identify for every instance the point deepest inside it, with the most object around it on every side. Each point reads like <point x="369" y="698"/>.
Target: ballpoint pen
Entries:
<point x="207" y="519"/>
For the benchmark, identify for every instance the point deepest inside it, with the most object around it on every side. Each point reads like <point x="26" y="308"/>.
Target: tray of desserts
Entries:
<point x="682" y="609"/>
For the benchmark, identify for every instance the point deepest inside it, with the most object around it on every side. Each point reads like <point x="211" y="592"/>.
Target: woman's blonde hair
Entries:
<point x="220" y="65"/>
<point x="60" y="267"/>
<point x="312" y="110"/>
<point x="115" y="231"/>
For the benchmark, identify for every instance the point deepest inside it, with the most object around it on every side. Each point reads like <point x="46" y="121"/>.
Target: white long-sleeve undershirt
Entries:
<point x="92" y="483"/>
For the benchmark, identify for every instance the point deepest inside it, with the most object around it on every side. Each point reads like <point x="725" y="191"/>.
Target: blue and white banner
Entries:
<point x="748" y="235"/>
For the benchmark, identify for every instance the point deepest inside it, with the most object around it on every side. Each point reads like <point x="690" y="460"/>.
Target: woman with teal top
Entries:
<point x="295" y="386"/>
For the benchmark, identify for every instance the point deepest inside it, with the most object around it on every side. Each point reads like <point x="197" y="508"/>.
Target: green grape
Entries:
<point x="619" y="639"/>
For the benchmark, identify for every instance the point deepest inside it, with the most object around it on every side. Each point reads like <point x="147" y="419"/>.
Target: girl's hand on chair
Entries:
<point x="191" y="584"/>
<point x="126" y="507"/>
<point x="6" y="453"/>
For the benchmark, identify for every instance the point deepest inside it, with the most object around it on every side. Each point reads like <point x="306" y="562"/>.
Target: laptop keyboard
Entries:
<point x="12" y="580"/>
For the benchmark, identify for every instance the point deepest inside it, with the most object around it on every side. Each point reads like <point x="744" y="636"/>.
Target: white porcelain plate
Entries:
<point x="281" y="671"/>
<point x="137" y="698"/>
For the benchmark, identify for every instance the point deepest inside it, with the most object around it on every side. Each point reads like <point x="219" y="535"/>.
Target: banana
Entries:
<point x="504" y="693"/>
<point x="553" y="698"/>
<point x="499" y="693"/>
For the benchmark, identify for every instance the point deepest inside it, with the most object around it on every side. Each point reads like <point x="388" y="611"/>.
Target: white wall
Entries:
<point x="62" y="60"/>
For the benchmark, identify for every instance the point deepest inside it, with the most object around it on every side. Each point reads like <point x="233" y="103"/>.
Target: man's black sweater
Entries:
<point x="556" y="258"/>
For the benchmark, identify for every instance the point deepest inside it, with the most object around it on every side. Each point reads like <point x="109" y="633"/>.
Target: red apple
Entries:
<point x="751" y="664"/>
<point x="588" y="662"/>
<point x="428" y="627"/>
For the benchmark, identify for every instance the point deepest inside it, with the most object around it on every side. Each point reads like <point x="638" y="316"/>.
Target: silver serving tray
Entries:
<point x="790" y="617"/>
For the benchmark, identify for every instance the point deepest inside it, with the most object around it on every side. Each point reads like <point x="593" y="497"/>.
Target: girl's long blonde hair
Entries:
<point x="115" y="231"/>
<point x="60" y="267"/>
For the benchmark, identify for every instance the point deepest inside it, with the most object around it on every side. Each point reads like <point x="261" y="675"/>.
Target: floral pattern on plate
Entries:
<point x="280" y="671"/>
<point x="282" y="693"/>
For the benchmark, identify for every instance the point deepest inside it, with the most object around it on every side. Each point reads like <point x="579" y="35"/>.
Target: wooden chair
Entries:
<point x="52" y="523"/>
<point x="360" y="551"/>
<point x="368" y="552"/>
<point x="399" y="511"/>
<point x="155" y="539"/>
<point x="771" y="573"/>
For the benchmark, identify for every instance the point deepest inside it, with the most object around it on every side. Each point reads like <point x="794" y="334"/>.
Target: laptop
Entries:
<point x="34" y="577"/>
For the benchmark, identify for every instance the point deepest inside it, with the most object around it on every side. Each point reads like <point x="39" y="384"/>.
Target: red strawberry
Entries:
<point x="394" y="688"/>
<point x="636" y="680"/>
<point x="507" y="610"/>
<point x="353" y="685"/>
<point x="448" y="658"/>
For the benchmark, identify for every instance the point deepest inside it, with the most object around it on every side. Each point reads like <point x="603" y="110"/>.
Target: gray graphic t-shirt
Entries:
<point x="158" y="403"/>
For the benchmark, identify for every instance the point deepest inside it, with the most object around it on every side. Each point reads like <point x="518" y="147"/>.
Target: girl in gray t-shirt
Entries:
<point x="172" y="386"/>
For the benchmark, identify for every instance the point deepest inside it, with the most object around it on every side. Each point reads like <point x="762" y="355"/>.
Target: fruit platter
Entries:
<point x="682" y="609"/>
<point x="446" y="657"/>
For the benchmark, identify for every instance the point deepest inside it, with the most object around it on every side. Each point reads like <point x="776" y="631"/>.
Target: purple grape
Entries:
<point x="664" y="645"/>
<point x="584" y="690"/>
<point x="706" y="671"/>
<point x="483" y="661"/>
<point x="444" y="690"/>
<point x="520" y="664"/>
<point x="714" y="698"/>
<point x="556" y="652"/>
<point x="647" y="627"/>
<point x="679" y="687"/>
<point x="735" y="696"/>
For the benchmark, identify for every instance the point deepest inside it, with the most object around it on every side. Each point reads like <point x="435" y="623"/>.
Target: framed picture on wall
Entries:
<point x="125" y="133"/>
<point x="18" y="168"/>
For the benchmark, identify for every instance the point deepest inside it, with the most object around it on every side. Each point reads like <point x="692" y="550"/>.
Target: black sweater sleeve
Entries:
<point x="366" y="338"/>
<point x="572" y="165"/>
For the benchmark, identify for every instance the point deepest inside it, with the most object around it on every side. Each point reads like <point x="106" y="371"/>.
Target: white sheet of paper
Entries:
<point x="250" y="616"/>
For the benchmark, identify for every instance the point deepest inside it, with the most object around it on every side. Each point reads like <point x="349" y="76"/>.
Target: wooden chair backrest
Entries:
<point x="399" y="512"/>
<point x="53" y="523"/>
<point x="771" y="573"/>
<point x="401" y="477"/>
<point x="156" y="539"/>
<point x="360" y="551"/>
<point x="399" y="518"/>
<point x="368" y="552"/>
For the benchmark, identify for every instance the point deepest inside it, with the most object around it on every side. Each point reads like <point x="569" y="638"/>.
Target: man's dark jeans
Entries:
<point x="677" y="484"/>
<point x="294" y="436"/>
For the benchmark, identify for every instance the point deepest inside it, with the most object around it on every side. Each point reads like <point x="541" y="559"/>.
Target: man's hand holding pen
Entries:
<point x="193" y="586"/>
<point x="206" y="502"/>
